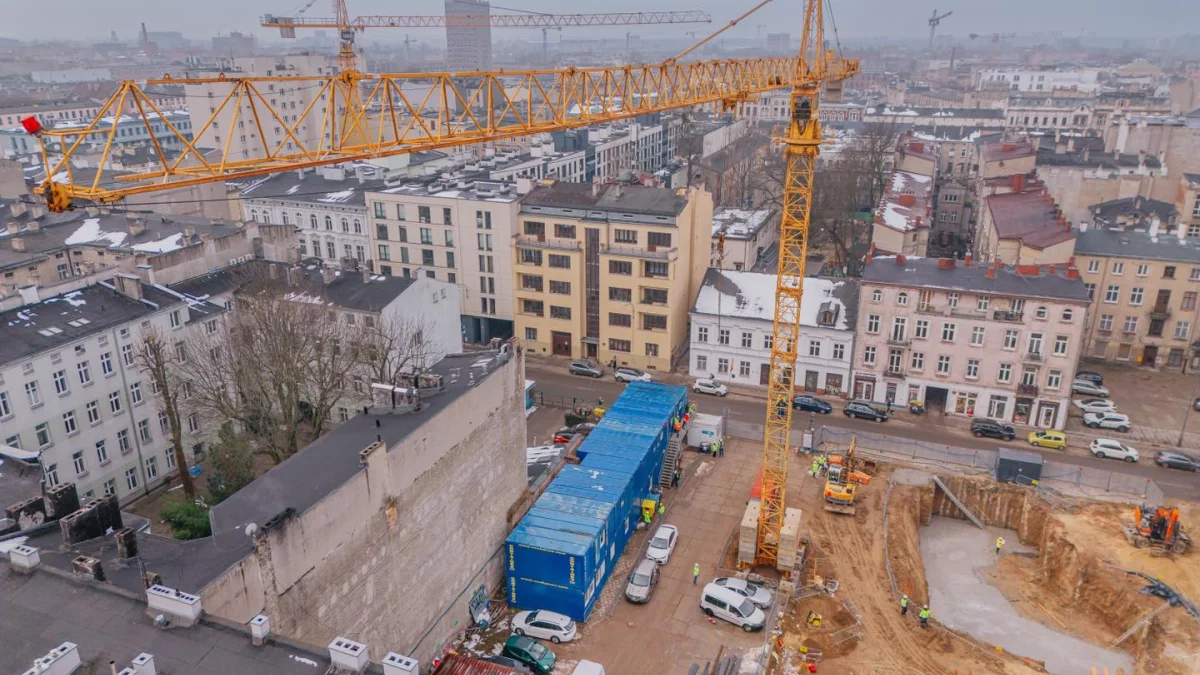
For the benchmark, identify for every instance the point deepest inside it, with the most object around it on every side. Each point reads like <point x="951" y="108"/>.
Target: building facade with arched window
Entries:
<point x="327" y="206"/>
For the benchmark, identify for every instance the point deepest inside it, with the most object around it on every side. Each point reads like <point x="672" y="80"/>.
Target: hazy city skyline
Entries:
<point x="91" y="20"/>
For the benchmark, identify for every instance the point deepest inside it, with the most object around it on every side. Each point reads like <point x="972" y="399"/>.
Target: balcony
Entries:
<point x="894" y="374"/>
<point x="1160" y="313"/>
<point x="899" y="340"/>
<point x="1033" y="357"/>
<point x="649" y="253"/>
<point x="1010" y="317"/>
<point x="930" y="309"/>
<point x="1027" y="389"/>
<point x="531" y="241"/>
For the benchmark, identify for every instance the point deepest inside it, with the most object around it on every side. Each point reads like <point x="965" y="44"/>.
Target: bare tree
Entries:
<point x="159" y="361"/>
<point x="394" y="347"/>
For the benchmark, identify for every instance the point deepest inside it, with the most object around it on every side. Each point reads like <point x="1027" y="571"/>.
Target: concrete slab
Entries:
<point x="954" y="551"/>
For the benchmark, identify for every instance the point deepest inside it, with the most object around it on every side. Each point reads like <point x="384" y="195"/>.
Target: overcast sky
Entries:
<point x="94" y="19"/>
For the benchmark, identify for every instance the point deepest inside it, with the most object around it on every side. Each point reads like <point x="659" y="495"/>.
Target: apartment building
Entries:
<point x="1143" y="283"/>
<point x="1078" y="173"/>
<point x="970" y="339"/>
<point x="904" y="216"/>
<point x="742" y="239"/>
<point x="991" y="118"/>
<point x="643" y="145"/>
<point x="82" y="109"/>
<point x="773" y="107"/>
<point x="733" y="328"/>
<point x="72" y="396"/>
<point x="468" y="47"/>
<point x="1188" y="202"/>
<point x="164" y="130"/>
<point x="1038" y="79"/>
<point x="608" y="271"/>
<point x="457" y="232"/>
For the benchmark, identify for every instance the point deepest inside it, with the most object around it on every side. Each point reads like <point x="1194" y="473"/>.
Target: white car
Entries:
<point x="545" y="625"/>
<point x="1095" y="405"/>
<point x="752" y="592"/>
<point x="1107" y="447"/>
<point x="627" y="374"/>
<point x="1107" y="420"/>
<point x="1086" y="388"/>
<point x="711" y="387"/>
<point x="663" y="543"/>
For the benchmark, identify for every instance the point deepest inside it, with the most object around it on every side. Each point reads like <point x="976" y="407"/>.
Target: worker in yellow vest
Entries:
<point x="999" y="544"/>
<point x="924" y="616"/>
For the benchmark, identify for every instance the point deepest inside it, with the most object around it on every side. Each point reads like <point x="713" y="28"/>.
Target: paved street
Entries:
<point x="552" y="378"/>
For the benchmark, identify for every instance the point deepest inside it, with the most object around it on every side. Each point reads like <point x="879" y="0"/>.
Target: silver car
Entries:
<point x="752" y="592"/>
<point x="642" y="581"/>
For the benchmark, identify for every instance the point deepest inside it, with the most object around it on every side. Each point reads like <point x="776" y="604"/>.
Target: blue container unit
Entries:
<point x="562" y="552"/>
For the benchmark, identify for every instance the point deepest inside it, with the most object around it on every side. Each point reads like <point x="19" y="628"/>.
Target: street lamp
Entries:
<point x="1187" y="412"/>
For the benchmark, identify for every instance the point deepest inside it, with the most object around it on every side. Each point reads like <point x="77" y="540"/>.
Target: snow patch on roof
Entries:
<point x="739" y="222"/>
<point x="336" y="197"/>
<point x="751" y="295"/>
<point x="90" y="232"/>
<point x="172" y="243"/>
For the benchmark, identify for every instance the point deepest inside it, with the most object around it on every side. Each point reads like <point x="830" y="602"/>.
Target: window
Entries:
<point x="701" y="362"/>
<point x="620" y="320"/>
<point x="1112" y="294"/>
<point x="131" y="478"/>
<point x="622" y="267"/>
<point x="5" y="408"/>
<point x="379" y="212"/>
<point x="839" y="351"/>
<point x="744" y="368"/>
<point x="918" y="361"/>
<point x="1135" y="296"/>
<point x="814" y="348"/>
<point x="921" y="331"/>
<point x="101" y="452"/>
<point x="1029" y="377"/>
<point x="423" y="214"/>
<point x="560" y="312"/>
<point x="483" y="220"/>
<point x="60" y="382"/>
<point x="1106" y="323"/>
<point x="702" y="333"/>
<point x="1194" y="273"/>
<point x="51" y="475"/>
<point x="658" y="240"/>
<point x="625" y="236"/>
<point x="1005" y="374"/>
<point x="531" y="257"/>
<point x="127" y="354"/>
<point x="1054" y="379"/>
<point x="427" y="256"/>
<point x="1131" y="324"/>
<point x="1189" y="300"/>
<point x="1067" y="314"/>
<point x="106" y="366"/>
<point x="564" y="231"/>
<point x="949" y="332"/>
<point x="151" y="468"/>
<point x="123" y="441"/>
<point x="531" y="334"/>
<point x="620" y="294"/>
<point x="1060" y="345"/>
<point x="446" y="217"/>
<point x="110" y="487"/>
<point x="977" y="335"/>
<point x="723" y="336"/>
<point x="1143" y="270"/>
<point x="562" y="262"/>
<point x="164" y="423"/>
<point x="902" y="298"/>
<point x="657" y="296"/>
<point x="943" y="364"/>
<point x="79" y="464"/>
<point x="623" y="346"/>
<point x="529" y="282"/>
<point x="69" y="422"/>
<point x="981" y="303"/>
<point x="31" y="392"/>
<point x="85" y="374"/>
<point x="43" y="434"/>
<point x="135" y="392"/>
<point x="655" y="269"/>
<point x="869" y="356"/>
<point x="114" y="402"/>
<point x="972" y="369"/>
<point x="143" y="428"/>
<point x="426" y="236"/>
<point x="1093" y="266"/>
<point x="404" y="257"/>
<point x="876" y="295"/>
<point x="93" y="412"/>
<point x="952" y="300"/>
<point x="1041" y="313"/>
<point x="1169" y="272"/>
<point x="768" y="341"/>
<point x="747" y="339"/>
<point x="873" y="324"/>
<point x="654" y="322"/>
<point x="1181" y="329"/>
<point x="1118" y="268"/>
<point x="175" y="321"/>
<point x="534" y="307"/>
<point x="560" y="287"/>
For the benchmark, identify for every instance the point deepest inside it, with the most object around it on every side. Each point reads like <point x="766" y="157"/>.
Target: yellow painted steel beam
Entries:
<point x="488" y="20"/>
<point x="362" y="116"/>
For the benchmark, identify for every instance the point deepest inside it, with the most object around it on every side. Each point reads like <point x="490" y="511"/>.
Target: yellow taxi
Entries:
<point x="1048" y="438"/>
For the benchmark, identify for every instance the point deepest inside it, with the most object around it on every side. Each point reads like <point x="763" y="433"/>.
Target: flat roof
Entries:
<point x="741" y="223"/>
<point x="1136" y="243"/>
<point x="612" y="198"/>
<point x="43" y="610"/>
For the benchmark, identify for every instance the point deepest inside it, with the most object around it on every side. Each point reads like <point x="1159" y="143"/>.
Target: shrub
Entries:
<point x="187" y="520"/>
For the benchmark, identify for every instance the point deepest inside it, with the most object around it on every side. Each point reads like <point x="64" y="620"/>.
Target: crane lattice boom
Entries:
<point x="493" y="20"/>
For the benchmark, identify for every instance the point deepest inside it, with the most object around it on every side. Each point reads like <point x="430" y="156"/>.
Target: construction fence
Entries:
<point x="1088" y="481"/>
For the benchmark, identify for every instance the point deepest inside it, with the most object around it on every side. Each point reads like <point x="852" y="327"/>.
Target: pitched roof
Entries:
<point x="751" y="295"/>
<point x="1030" y="217"/>
<point x="1007" y="150"/>
<point x="321" y="187"/>
<point x="1133" y="207"/>
<point x="928" y="273"/>
<point x="906" y="204"/>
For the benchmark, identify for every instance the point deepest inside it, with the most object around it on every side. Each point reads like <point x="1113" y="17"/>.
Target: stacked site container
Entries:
<point x="562" y="552"/>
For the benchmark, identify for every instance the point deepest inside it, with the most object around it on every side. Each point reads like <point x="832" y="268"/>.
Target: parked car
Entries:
<point x="1048" y="438"/>
<point x="507" y="663"/>
<point x="663" y="544"/>
<point x="1107" y="420"/>
<point x="1170" y="459"/>
<point x="586" y="667"/>
<point x="1086" y="388"/>
<point x="544" y="624"/>
<point x="811" y="404"/>
<point x="752" y="592"/>
<point x="1091" y="376"/>
<point x="992" y="429"/>
<point x="1196" y="403"/>
<point x="724" y="603"/>
<point x="562" y="437"/>
<point x="585" y="368"/>
<point x="711" y="387"/>
<point x="627" y="374"/>
<point x="642" y="581"/>
<point x="863" y="410"/>
<point x="529" y="652"/>
<point x="1094" y="405"/>
<point x="1107" y="447"/>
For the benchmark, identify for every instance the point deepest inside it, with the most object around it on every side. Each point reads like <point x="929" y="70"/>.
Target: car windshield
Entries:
<point x="640" y="579"/>
<point x="536" y="650"/>
<point x="746" y="608"/>
<point x="660" y="541"/>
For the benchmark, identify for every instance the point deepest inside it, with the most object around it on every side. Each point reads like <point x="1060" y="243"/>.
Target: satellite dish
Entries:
<point x="251" y="530"/>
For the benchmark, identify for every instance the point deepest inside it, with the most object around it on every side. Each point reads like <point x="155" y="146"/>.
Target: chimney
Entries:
<point x="127" y="544"/>
<point x="945" y="263"/>
<point x="128" y="285"/>
<point x="900" y="259"/>
<point x="146" y="273"/>
<point x="328" y="275"/>
<point x="1050" y="269"/>
<point x="1087" y="153"/>
<point x="967" y="259"/>
<point x="143" y="664"/>
<point x="1141" y="158"/>
<point x="1018" y="182"/>
<point x="1154" y="223"/>
<point x="907" y="199"/>
<point x="18" y="208"/>
<point x="1072" y="272"/>
<point x="18" y="244"/>
<point x="33" y="226"/>
<point x="595" y="189"/>
<point x="1007" y="147"/>
<point x="136" y="226"/>
<point x="398" y="664"/>
<point x="189" y="231"/>
<point x="991" y="273"/>
<point x="347" y="654"/>
<point x="260" y="630"/>
<point x="13" y="226"/>
<point x="88" y="567"/>
<point x="1071" y="144"/>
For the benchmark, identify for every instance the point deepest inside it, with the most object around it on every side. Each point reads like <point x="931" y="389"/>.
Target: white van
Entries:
<point x="588" y="668"/>
<point x="726" y="604"/>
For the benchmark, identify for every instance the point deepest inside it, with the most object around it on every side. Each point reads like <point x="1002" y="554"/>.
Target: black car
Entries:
<point x="1177" y="460"/>
<point x="505" y="661"/>
<point x="992" y="429"/>
<point x="1090" y="376"/>
<point x="866" y="411"/>
<point x="811" y="404"/>
<point x="586" y="368"/>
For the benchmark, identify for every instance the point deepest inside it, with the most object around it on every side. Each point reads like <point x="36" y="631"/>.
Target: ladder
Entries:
<point x="1141" y="622"/>
<point x="961" y="507"/>
<point x="670" y="462"/>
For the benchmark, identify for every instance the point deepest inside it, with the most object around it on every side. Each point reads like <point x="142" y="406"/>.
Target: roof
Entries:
<point x="478" y="190"/>
<point x="1192" y="178"/>
<point x="1007" y="150"/>
<point x="741" y="223"/>
<point x="907" y="111"/>
<point x="929" y="273"/>
<point x="1136" y="243"/>
<point x="751" y="295"/>
<point x="906" y="204"/>
<point x="107" y="626"/>
<point x="1138" y="208"/>
<point x="330" y="461"/>
<point x="321" y="188"/>
<point x="348" y="289"/>
<point x="1029" y="216"/>
<point x="967" y="133"/>
<point x="63" y="319"/>
<point x="457" y="664"/>
<point x="613" y="198"/>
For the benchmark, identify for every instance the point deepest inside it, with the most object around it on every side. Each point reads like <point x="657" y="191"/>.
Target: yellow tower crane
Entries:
<point x="359" y="116"/>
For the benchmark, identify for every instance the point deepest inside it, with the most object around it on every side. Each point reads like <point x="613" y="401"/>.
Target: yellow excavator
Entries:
<point x="842" y="478"/>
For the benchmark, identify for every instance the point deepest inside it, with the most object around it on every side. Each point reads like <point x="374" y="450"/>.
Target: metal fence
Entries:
<point x="1087" y="480"/>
